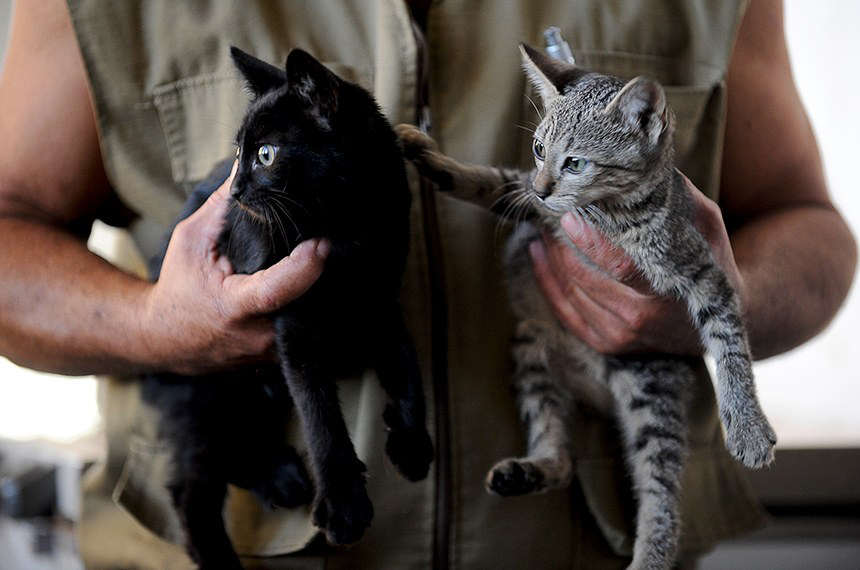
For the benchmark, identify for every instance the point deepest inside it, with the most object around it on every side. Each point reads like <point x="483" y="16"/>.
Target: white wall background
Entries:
<point x="812" y="394"/>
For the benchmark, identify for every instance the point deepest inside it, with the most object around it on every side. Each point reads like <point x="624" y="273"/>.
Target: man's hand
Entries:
<point x="607" y="303"/>
<point x="200" y="315"/>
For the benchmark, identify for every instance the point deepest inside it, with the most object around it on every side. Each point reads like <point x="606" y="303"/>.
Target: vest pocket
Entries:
<point x="255" y="531"/>
<point x="716" y="501"/>
<point x="200" y="117"/>
<point x="141" y="489"/>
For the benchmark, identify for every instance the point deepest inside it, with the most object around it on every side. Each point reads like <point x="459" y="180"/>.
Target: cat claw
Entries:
<point x="751" y="442"/>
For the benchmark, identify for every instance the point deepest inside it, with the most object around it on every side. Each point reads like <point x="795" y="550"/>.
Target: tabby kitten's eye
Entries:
<point x="574" y="164"/>
<point x="539" y="150"/>
<point x="266" y="154"/>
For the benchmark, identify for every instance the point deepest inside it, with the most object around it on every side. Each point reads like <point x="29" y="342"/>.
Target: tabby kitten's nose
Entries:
<point x="543" y="185"/>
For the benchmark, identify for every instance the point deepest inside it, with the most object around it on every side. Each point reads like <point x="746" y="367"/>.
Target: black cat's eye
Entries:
<point x="539" y="150"/>
<point x="574" y="164"/>
<point x="266" y="154"/>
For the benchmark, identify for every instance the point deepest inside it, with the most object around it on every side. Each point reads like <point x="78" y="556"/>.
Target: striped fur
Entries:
<point x="631" y="191"/>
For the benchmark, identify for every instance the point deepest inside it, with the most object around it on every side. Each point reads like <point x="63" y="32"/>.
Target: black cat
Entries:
<point x="316" y="159"/>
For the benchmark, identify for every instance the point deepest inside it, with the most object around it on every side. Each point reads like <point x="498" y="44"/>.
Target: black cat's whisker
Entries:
<point x="285" y="197"/>
<point x="275" y="208"/>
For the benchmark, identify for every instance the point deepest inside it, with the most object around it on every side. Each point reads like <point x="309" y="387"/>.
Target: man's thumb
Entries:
<point x="270" y="289"/>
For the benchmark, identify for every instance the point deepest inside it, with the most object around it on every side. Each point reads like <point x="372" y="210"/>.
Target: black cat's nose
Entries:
<point x="236" y="190"/>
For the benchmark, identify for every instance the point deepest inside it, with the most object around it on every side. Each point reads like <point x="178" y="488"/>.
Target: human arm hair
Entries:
<point x="775" y="231"/>
<point x="793" y="249"/>
<point x="63" y="309"/>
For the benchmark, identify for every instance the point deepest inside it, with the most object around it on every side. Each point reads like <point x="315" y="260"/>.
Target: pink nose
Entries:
<point x="543" y="185"/>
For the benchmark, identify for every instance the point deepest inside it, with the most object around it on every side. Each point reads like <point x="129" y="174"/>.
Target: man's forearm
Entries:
<point x="62" y="308"/>
<point x="797" y="265"/>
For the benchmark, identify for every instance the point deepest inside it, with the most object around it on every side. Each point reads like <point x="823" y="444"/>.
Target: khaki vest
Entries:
<point x="168" y="103"/>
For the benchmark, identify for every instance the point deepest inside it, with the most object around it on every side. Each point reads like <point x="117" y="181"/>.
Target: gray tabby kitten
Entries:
<point x="604" y="152"/>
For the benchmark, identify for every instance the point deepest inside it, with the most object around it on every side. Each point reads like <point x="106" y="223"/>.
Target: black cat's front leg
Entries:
<point x="199" y="502"/>
<point x="342" y="508"/>
<point x="408" y="446"/>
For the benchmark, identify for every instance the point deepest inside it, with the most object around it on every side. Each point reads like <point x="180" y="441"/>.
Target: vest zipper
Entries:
<point x="439" y="316"/>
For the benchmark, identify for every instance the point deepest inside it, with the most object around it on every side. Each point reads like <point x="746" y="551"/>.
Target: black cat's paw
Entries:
<point x="511" y="477"/>
<point x="344" y="512"/>
<point x="289" y="487"/>
<point x="409" y="448"/>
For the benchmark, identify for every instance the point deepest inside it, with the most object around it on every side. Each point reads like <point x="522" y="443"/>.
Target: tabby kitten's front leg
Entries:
<point x="492" y="188"/>
<point x="715" y="309"/>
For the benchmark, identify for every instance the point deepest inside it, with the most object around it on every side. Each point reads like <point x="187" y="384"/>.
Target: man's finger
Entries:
<point x="208" y="220"/>
<point x="557" y="297"/>
<point x="604" y="255"/>
<point x="271" y="289"/>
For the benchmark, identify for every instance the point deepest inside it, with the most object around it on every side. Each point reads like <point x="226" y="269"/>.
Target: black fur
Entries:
<point x="337" y="173"/>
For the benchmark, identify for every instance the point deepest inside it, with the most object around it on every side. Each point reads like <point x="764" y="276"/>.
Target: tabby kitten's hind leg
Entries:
<point x="651" y="405"/>
<point x="544" y="407"/>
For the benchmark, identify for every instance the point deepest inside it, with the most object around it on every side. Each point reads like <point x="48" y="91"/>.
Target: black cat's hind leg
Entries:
<point x="408" y="446"/>
<point x="281" y="480"/>
<point x="199" y="502"/>
<point x="651" y="398"/>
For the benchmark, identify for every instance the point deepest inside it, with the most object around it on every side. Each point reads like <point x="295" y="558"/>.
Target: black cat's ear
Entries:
<point x="260" y="76"/>
<point x="549" y="76"/>
<point x="643" y="106"/>
<point x="314" y="85"/>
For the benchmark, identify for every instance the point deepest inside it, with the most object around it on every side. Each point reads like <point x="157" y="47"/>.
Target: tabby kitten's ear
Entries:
<point x="642" y="104"/>
<point x="542" y="71"/>
<point x="314" y="85"/>
<point x="260" y="77"/>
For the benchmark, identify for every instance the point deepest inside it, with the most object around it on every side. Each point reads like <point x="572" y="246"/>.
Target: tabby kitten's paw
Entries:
<point x="414" y="142"/>
<point x="751" y="440"/>
<point x="511" y="477"/>
<point x="408" y="448"/>
<point x="344" y="511"/>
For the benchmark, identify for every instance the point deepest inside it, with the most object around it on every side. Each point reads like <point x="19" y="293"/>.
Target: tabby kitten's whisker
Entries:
<point x="644" y="214"/>
<point x="539" y="114"/>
